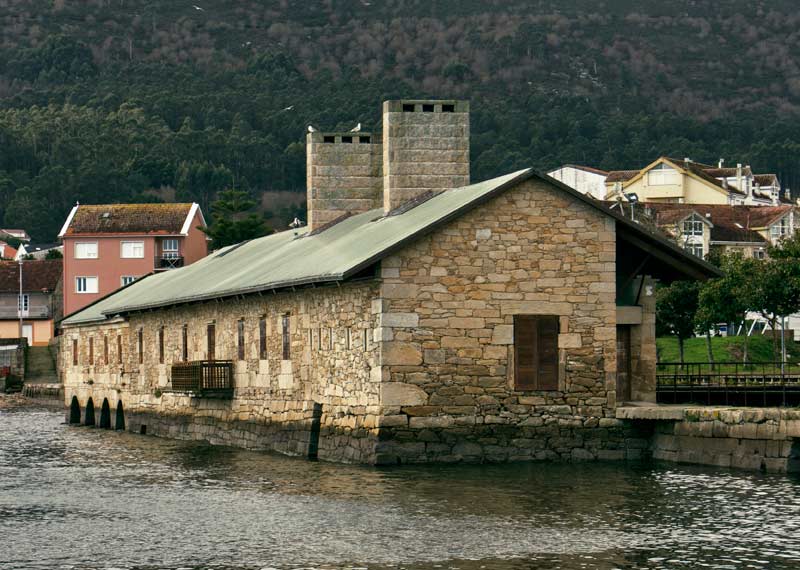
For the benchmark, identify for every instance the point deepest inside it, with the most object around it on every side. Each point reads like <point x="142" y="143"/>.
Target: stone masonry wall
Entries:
<point x="447" y="308"/>
<point x="274" y="399"/>
<point x="341" y="176"/>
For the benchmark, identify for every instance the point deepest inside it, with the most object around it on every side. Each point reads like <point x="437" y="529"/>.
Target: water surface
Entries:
<point x="86" y="498"/>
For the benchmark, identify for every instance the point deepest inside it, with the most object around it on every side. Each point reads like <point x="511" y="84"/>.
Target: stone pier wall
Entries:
<point x="749" y="438"/>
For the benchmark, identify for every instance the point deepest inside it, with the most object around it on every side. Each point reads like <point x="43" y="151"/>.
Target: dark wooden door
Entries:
<point x="623" y="364"/>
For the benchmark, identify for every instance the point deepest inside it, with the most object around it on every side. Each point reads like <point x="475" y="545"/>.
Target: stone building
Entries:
<point x="417" y="318"/>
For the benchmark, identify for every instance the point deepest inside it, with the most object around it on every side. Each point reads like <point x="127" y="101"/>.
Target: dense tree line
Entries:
<point x="133" y="100"/>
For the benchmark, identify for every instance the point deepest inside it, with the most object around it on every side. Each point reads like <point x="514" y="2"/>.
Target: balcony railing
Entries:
<point x="763" y="384"/>
<point x="211" y="378"/>
<point x="168" y="262"/>
<point x="31" y="313"/>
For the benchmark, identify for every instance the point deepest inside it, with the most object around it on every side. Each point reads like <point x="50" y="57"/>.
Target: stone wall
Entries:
<point x="447" y="309"/>
<point x="273" y="402"/>
<point x="765" y="439"/>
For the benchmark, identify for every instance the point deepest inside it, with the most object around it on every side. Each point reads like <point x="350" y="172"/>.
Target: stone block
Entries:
<point x="503" y="334"/>
<point x="569" y="340"/>
<point x="401" y="394"/>
<point x="401" y="354"/>
<point x="399" y="320"/>
<point x="430" y="422"/>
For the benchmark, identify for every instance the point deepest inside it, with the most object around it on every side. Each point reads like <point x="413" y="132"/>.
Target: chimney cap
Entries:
<point x="396" y="105"/>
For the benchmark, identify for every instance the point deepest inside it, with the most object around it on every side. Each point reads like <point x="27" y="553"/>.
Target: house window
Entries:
<point x="141" y="346"/>
<point x="161" y="345"/>
<point x="662" y="175"/>
<point x="23" y="303"/>
<point x="74" y="352"/>
<point x="132" y="249"/>
<point x="693" y="226"/>
<point x="535" y="352"/>
<point x="119" y="349"/>
<point x="86" y="284"/>
<point x="169" y="248"/>
<point x="105" y="350"/>
<point x="185" y="343"/>
<point x="262" y="338"/>
<point x="211" y="334"/>
<point x="759" y="254"/>
<point x="286" y="340"/>
<point x="695" y="249"/>
<point x="240" y="338"/>
<point x="86" y="250"/>
<point x="780" y="228"/>
<point x="127" y="279"/>
<point x="91" y="351"/>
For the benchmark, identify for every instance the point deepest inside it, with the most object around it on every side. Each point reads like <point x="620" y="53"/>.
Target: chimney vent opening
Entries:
<point x="347" y="140"/>
<point x="448" y="108"/>
<point x="427" y="108"/>
<point x="364" y="140"/>
<point x="328" y="139"/>
<point x="408" y="107"/>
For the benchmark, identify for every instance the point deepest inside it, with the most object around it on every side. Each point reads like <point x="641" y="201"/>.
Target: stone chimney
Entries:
<point x="425" y="148"/>
<point x="343" y="175"/>
<point x="721" y="163"/>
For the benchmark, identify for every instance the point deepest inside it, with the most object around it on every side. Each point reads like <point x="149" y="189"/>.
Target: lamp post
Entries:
<point x="19" y="298"/>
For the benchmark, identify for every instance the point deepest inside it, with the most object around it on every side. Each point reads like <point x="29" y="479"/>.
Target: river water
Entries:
<point x="77" y="497"/>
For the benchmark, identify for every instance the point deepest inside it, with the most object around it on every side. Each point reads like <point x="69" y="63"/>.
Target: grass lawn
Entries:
<point x="726" y="349"/>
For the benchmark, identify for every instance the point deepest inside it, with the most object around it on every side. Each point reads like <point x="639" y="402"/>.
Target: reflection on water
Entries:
<point x="73" y="497"/>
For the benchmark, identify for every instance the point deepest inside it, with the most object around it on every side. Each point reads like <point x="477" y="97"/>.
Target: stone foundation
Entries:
<point x="748" y="438"/>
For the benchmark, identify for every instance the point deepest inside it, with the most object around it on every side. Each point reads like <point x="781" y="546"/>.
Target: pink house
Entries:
<point x="108" y="246"/>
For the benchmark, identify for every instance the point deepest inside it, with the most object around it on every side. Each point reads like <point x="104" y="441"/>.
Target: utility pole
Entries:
<point x="19" y="299"/>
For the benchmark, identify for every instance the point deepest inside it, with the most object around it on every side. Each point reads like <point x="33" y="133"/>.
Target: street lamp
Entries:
<point x="19" y="298"/>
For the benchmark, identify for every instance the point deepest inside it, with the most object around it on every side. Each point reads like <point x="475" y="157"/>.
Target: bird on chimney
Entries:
<point x="356" y="129"/>
<point x="311" y="129"/>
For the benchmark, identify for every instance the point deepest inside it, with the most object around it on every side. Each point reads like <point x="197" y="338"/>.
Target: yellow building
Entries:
<point x="683" y="181"/>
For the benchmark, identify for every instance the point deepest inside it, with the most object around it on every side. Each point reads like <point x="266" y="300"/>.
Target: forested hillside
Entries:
<point x="126" y="100"/>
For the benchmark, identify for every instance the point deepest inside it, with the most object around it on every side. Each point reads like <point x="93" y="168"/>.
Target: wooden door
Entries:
<point x="623" y="364"/>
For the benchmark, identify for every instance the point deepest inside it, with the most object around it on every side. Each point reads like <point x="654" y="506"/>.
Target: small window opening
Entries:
<point x="427" y="108"/>
<point x="347" y="139"/>
<point x="161" y="345"/>
<point x="364" y="140"/>
<point x="185" y="343"/>
<point x="141" y="346"/>
<point x="91" y="351"/>
<point x="408" y="107"/>
<point x="448" y="108"/>
<point x="143" y="430"/>
<point x="105" y="350"/>
<point x="74" y="352"/>
<point x="286" y="339"/>
<point x="240" y="341"/>
<point x="119" y="349"/>
<point x="262" y="338"/>
<point x="328" y="139"/>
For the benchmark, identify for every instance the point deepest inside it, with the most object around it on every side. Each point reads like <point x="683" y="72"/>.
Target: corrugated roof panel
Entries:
<point x="286" y="259"/>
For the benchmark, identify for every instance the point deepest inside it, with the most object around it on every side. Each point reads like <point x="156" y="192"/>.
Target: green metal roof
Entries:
<point x="340" y="251"/>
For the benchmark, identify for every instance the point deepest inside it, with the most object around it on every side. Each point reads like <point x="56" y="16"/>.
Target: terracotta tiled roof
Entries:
<point x="128" y="219"/>
<point x="621" y="175"/>
<point x="765" y="179"/>
<point x="37" y="275"/>
<point x="730" y="223"/>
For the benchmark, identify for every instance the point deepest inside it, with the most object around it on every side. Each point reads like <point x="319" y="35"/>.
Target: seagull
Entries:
<point x="356" y="129"/>
<point x="311" y="129"/>
<point x="196" y="7"/>
<point x="289" y="108"/>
